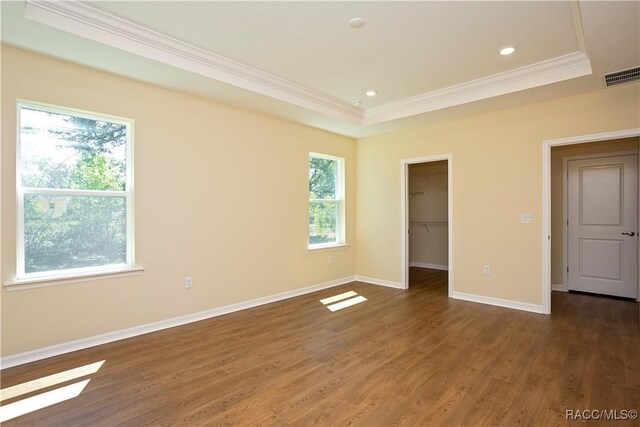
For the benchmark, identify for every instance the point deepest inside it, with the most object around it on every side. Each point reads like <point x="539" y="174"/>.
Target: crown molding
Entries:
<point x="91" y="23"/>
<point x="578" y="25"/>
<point x="86" y="21"/>
<point x="572" y="65"/>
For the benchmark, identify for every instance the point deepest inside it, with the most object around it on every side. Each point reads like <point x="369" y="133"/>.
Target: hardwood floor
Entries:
<point x="410" y="357"/>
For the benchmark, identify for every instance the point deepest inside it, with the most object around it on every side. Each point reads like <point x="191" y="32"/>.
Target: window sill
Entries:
<point x="327" y="247"/>
<point x="41" y="282"/>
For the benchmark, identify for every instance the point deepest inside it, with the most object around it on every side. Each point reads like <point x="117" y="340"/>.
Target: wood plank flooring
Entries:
<point x="410" y="357"/>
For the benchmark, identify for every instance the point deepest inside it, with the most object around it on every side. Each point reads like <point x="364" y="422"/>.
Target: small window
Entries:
<point x="75" y="192"/>
<point x="326" y="201"/>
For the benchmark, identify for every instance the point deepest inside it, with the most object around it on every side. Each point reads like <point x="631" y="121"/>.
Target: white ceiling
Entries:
<point x="404" y="49"/>
<point x="301" y="60"/>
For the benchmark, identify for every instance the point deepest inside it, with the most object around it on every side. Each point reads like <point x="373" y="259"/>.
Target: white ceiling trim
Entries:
<point x="565" y="67"/>
<point x="91" y="23"/>
<point x="578" y="26"/>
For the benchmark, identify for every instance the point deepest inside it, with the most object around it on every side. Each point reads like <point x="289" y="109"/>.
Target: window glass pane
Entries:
<point x="322" y="222"/>
<point x="322" y="178"/>
<point x="62" y="232"/>
<point x="64" y="151"/>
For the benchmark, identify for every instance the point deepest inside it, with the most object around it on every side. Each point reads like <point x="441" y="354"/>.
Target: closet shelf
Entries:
<point x="430" y="173"/>
<point x="429" y="222"/>
<point x="423" y="189"/>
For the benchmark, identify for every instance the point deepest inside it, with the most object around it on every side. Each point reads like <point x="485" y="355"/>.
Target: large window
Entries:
<point x="326" y="200"/>
<point x="75" y="193"/>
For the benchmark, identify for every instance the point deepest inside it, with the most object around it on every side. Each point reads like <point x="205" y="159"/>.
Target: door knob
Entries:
<point x="631" y="233"/>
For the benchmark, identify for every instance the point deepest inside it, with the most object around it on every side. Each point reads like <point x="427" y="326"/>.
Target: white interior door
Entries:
<point x="602" y="229"/>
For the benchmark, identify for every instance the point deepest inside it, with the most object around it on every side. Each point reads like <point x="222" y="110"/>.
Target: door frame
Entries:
<point x="565" y="207"/>
<point x="546" y="198"/>
<point x="404" y="215"/>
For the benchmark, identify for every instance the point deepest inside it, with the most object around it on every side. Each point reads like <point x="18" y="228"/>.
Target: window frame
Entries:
<point x="339" y="200"/>
<point x="128" y="194"/>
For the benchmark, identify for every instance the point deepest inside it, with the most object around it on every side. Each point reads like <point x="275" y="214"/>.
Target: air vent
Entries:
<point x="623" y="76"/>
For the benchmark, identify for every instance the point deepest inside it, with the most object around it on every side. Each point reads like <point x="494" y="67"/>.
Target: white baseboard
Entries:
<point x="380" y="282"/>
<point x="55" y="350"/>
<point x="559" y="288"/>
<point x="427" y="265"/>
<point x="517" y="305"/>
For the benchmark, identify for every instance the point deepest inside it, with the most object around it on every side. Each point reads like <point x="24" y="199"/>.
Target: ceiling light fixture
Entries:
<point x="356" y="22"/>
<point x="356" y="103"/>
<point x="371" y="93"/>
<point x="507" y="50"/>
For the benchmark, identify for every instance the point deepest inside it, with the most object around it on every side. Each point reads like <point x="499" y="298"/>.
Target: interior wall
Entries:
<point x="496" y="176"/>
<point x="221" y="195"/>
<point x="428" y="243"/>
<point x="557" y="191"/>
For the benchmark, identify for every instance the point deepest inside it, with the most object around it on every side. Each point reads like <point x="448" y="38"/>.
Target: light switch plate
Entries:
<point x="526" y="218"/>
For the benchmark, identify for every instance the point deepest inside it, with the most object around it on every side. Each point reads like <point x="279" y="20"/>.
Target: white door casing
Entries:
<point x="547" y="145"/>
<point x="404" y="216"/>
<point x="602" y="205"/>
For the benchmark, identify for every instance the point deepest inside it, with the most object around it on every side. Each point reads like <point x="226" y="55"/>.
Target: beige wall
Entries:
<point x="557" y="191"/>
<point x="497" y="175"/>
<point x="428" y="202"/>
<point x="221" y="195"/>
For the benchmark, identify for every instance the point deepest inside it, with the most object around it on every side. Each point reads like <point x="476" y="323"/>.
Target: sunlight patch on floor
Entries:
<point x="346" y="303"/>
<point x="43" y="400"/>
<point x="40" y="401"/>
<point x="49" y="380"/>
<point x="338" y="297"/>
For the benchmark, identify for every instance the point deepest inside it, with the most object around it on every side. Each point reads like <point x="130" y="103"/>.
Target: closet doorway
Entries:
<point x="426" y="215"/>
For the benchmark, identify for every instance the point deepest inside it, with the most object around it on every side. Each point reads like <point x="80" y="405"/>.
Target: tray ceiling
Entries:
<point x="302" y="61"/>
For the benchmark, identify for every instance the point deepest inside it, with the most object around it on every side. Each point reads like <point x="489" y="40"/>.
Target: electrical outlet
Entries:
<point x="486" y="269"/>
<point x="188" y="282"/>
<point x="330" y="259"/>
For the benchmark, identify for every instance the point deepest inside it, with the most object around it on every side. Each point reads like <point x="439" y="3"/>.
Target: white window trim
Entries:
<point x="339" y="200"/>
<point x="42" y="282"/>
<point x="85" y="273"/>
<point x="327" y="246"/>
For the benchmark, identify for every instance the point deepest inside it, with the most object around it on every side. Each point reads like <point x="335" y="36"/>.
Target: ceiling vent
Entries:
<point x="623" y="76"/>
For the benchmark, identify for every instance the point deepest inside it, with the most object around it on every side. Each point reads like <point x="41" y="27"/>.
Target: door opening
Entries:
<point x="426" y="217"/>
<point x="590" y="197"/>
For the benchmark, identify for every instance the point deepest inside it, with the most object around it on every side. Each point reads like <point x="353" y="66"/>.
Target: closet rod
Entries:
<point x="426" y="224"/>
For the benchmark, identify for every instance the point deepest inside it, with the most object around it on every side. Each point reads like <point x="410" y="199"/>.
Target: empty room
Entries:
<point x="328" y="213"/>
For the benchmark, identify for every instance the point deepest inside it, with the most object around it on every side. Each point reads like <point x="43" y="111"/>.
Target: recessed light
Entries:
<point x="356" y="22"/>
<point x="371" y="93"/>
<point x="507" y="50"/>
<point x="356" y="103"/>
